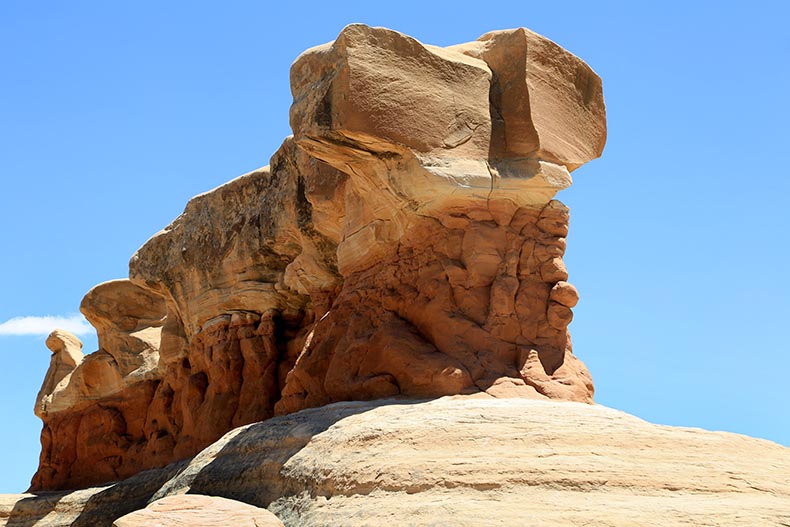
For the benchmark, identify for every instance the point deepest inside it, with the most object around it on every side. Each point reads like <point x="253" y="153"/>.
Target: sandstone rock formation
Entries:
<point x="462" y="460"/>
<point x="404" y="242"/>
<point x="94" y="414"/>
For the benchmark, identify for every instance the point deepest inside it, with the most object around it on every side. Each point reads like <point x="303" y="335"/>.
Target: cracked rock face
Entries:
<point x="404" y="242"/>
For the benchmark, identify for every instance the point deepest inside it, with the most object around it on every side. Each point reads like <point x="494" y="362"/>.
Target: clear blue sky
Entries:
<point x="113" y="114"/>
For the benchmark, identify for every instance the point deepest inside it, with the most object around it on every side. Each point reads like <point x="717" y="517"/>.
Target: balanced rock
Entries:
<point x="128" y="320"/>
<point x="404" y="242"/>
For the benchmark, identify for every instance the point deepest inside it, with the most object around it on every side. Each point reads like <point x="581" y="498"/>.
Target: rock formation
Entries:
<point x="95" y="406"/>
<point x="404" y="242"/>
<point x="373" y="329"/>
<point x="66" y="355"/>
<point x="462" y="461"/>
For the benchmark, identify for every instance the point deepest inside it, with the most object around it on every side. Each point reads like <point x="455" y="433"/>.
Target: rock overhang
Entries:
<point x="511" y="112"/>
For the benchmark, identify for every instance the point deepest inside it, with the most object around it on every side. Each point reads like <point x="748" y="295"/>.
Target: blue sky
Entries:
<point x="112" y="115"/>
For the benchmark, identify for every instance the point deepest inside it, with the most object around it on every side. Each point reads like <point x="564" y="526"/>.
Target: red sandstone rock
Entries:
<point x="397" y="245"/>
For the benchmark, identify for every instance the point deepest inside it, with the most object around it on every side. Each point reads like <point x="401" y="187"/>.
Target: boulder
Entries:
<point x="195" y="510"/>
<point x="547" y="103"/>
<point x="378" y="87"/>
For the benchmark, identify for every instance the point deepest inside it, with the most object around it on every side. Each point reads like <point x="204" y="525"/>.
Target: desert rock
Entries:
<point x="461" y="460"/>
<point x="455" y="460"/>
<point x="376" y="86"/>
<point x="93" y="417"/>
<point x="401" y="243"/>
<point x="128" y="320"/>
<point x="195" y="510"/>
<point x="549" y="102"/>
<point x="89" y="507"/>
<point x="67" y="354"/>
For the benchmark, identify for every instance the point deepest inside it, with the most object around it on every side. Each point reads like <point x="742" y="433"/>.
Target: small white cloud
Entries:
<point x="43" y="326"/>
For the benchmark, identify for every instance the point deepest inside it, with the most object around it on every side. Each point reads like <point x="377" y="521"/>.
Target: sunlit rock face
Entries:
<point x="403" y="242"/>
<point x="463" y="460"/>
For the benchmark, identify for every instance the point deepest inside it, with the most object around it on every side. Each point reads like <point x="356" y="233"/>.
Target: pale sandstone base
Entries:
<point x="469" y="461"/>
<point x="196" y="510"/>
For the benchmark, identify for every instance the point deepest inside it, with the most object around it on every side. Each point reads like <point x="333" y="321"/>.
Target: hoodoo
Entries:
<point x="373" y="329"/>
<point x="404" y="242"/>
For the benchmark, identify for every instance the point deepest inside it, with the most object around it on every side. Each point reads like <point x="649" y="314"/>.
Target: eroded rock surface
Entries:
<point x="484" y="461"/>
<point x="552" y="108"/>
<point x="95" y="416"/>
<point x="462" y="460"/>
<point x="404" y="242"/>
<point x="66" y="351"/>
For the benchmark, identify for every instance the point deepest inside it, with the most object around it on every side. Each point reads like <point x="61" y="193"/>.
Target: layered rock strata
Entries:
<point x="404" y="242"/>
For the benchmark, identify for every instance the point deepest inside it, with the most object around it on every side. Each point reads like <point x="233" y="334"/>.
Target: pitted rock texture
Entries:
<point x="95" y="416"/>
<point x="474" y="307"/>
<point x="404" y="242"/>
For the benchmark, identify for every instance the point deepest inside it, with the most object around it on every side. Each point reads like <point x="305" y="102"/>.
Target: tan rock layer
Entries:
<point x="462" y="460"/>
<point x="476" y="460"/>
<point x="197" y="510"/>
<point x="66" y="356"/>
